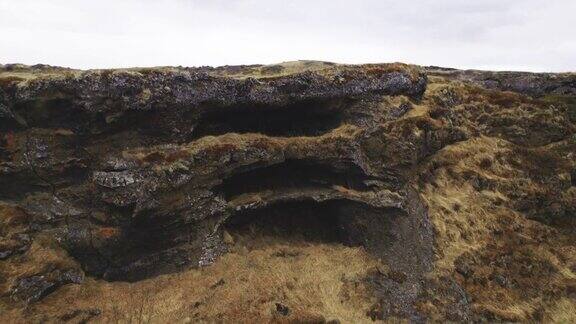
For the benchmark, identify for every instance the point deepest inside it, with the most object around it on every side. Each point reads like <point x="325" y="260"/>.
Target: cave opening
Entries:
<point x="145" y="247"/>
<point x="294" y="174"/>
<point x="57" y="112"/>
<point x="339" y="221"/>
<point x="287" y="222"/>
<point x="305" y="118"/>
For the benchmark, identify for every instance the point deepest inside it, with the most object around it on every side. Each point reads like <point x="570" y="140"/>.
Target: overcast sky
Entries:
<point x="532" y="35"/>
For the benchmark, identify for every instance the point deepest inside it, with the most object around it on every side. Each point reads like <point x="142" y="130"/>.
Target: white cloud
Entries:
<point x="490" y="34"/>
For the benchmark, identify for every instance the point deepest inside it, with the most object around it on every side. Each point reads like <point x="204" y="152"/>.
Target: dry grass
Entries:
<point x="463" y="217"/>
<point x="563" y="312"/>
<point x="513" y="268"/>
<point x="317" y="282"/>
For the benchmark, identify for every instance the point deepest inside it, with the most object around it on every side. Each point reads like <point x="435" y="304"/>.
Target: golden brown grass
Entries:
<point x="462" y="216"/>
<point x="467" y="189"/>
<point x="317" y="282"/>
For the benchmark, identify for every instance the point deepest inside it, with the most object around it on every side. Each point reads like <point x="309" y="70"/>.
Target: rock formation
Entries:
<point x="304" y="191"/>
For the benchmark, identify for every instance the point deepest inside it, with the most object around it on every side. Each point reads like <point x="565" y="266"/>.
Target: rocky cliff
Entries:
<point x="296" y="192"/>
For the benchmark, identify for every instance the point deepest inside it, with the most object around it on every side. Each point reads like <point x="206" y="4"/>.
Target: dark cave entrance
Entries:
<point x="294" y="174"/>
<point x="302" y="221"/>
<point x="334" y="222"/>
<point x="58" y="113"/>
<point x="306" y="118"/>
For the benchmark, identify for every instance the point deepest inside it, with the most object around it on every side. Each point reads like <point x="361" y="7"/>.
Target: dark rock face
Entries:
<point x="34" y="288"/>
<point x="135" y="172"/>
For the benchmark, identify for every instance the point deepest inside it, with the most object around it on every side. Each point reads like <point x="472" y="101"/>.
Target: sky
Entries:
<point x="527" y="35"/>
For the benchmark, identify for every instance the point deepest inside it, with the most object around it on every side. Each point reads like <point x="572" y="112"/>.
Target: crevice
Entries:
<point x="32" y="166"/>
<point x="56" y="113"/>
<point x="305" y="118"/>
<point x="401" y="237"/>
<point x="294" y="174"/>
<point x="184" y="124"/>
<point x="306" y="221"/>
<point x="139" y="248"/>
<point x="310" y="222"/>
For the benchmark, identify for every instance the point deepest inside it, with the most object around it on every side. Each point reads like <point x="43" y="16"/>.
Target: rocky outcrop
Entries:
<point x="125" y="175"/>
<point x="134" y="172"/>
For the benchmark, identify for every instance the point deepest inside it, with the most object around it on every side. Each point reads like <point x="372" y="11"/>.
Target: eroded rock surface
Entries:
<point x="151" y="175"/>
